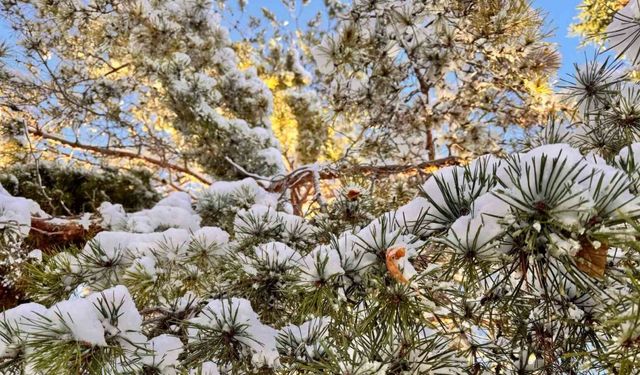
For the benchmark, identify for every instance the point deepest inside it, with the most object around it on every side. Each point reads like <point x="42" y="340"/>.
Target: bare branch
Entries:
<point x="329" y="172"/>
<point x="318" y="192"/>
<point x="314" y="172"/>
<point x="123" y="153"/>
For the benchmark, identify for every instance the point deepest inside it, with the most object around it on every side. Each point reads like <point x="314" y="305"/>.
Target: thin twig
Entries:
<point x="245" y="172"/>
<point x="123" y="153"/>
<point x="318" y="192"/>
<point x="328" y="171"/>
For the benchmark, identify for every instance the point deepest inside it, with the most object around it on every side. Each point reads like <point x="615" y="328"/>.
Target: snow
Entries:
<point x="575" y="313"/>
<point x="15" y="326"/>
<point x="277" y="255"/>
<point x="306" y="338"/>
<point x="181" y="59"/>
<point x="35" y="254"/>
<point x="353" y="259"/>
<point x="174" y="211"/>
<point x="125" y="246"/>
<point x="257" y="220"/>
<point x="207" y="368"/>
<point x="177" y="199"/>
<point x="321" y="264"/>
<point x="210" y="236"/>
<point x="116" y="310"/>
<point x="146" y="265"/>
<point x="572" y="191"/>
<point x="610" y="191"/>
<point x="485" y="164"/>
<point x="258" y="340"/>
<point x="147" y="221"/>
<point x="297" y="66"/>
<point x="16" y="212"/>
<point x="570" y="163"/>
<point x="459" y="183"/>
<point x="478" y="232"/>
<point x="629" y="154"/>
<point x="247" y="187"/>
<point x="261" y="220"/>
<point x="413" y="215"/>
<point x="452" y="188"/>
<point x="204" y="83"/>
<point x="629" y="328"/>
<point x="325" y="53"/>
<point x="180" y="86"/>
<point x="382" y="234"/>
<point x="405" y="267"/>
<point x="111" y="243"/>
<point x="113" y="216"/>
<point x="212" y="239"/>
<point x="547" y="177"/>
<point x="295" y="226"/>
<point x="164" y="352"/>
<point x="489" y="206"/>
<point x="262" y="134"/>
<point x="223" y="188"/>
<point x="447" y="176"/>
<point x="80" y="319"/>
<point x="563" y="246"/>
<point x="272" y="156"/>
<point x="85" y="221"/>
<point x="558" y="151"/>
<point x="596" y="160"/>
<point x="187" y="301"/>
<point x="65" y="259"/>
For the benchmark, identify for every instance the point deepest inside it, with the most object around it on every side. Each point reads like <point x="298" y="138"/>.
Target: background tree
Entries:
<point x="421" y="79"/>
<point x="595" y="16"/>
<point x="520" y="263"/>
<point x="151" y="81"/>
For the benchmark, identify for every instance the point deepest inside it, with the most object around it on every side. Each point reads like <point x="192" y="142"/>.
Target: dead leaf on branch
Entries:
<point x="392" y="257"/>
<point x="592" y="260"/>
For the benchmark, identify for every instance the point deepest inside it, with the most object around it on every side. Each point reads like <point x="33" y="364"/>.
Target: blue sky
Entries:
<point x="561" y="14"/>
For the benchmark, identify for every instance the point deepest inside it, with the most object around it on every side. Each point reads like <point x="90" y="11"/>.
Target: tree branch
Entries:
<point x="48" y="234"/>
<point x="122" y="153"/>
<point x="329" y="172"/>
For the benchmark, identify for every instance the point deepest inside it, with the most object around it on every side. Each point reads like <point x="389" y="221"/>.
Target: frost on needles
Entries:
<point x="545" y="236"/>
<point x="483" y="224"/>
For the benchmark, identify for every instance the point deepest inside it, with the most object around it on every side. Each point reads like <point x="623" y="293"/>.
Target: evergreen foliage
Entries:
<point x="502" y="264"/>
<point x="497" y="262"/>
<point x="63" y="190"/>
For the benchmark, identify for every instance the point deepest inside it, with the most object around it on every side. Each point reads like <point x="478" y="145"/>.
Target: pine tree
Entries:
<point x="396" y="68"/>
<point x="519" y="263"/>
<point x="152" y="81"/>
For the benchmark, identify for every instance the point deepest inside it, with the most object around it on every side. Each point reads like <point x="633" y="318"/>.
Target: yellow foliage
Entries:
<point x="244" y="50"/>
<point x="538" y="87"/>
<point x="595" y="16"/>
<point x="334" y="146"/>
<point x="280" y="81"/>
<point x="272" y="81"/>
<point x="283" y="119"/>
<point x="9" y="152"/>
<point x="284" y="123"/>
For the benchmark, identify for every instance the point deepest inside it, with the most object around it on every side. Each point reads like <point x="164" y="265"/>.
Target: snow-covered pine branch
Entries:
<point x="546" y="237"/>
